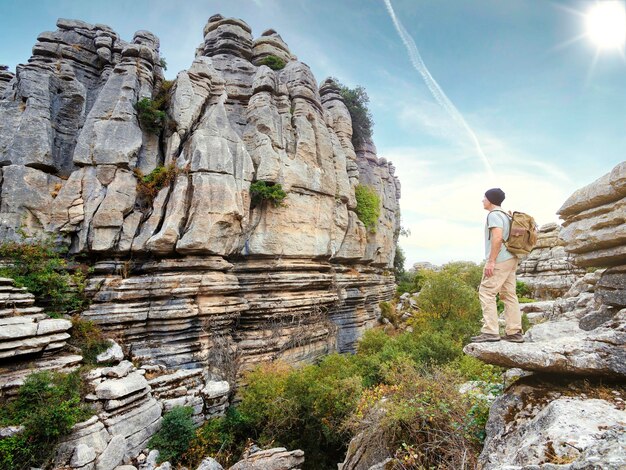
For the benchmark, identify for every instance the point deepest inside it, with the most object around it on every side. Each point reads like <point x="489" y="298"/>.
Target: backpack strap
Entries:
<point x="508" y="217"/>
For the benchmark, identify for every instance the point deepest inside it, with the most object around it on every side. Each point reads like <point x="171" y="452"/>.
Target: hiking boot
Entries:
<point x="514" y="338"/>
<point x="485" y="338"/>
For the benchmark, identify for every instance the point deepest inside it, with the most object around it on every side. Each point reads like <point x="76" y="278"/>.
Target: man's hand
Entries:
<point x="490" y="266"/>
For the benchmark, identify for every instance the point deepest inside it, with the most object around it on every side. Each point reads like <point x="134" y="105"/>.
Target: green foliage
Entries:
<point x="261" y="191"/>
<point x="86" y="336"/>
<point x="356" y="101"/>
<point x="40" y="267"/>
<point x="425" y="419"/>
<point x="273" y="62"/>
<point x="466" y="271"/>
<point x="47" y="405"/>
<point x="223" y="438"/>
<point x="398" y="263"/>
<point x="175" y="435"/>
<point x="525" y="323"/>
<point x="163" y="63"/>
<point x="367" y="206"/>
<point x="522" y="290"/>
<point x="388" y="311"/>
<point x="148" y="186"/>
<point x="411" y="282"/>
<point x="445" y="295"/>
<point x="151" y="118"/>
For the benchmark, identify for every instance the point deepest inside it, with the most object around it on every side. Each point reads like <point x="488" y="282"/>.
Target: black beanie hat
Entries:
<point x="495" y="196"/>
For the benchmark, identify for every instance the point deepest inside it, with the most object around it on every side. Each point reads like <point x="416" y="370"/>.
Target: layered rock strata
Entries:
<point x="29" y="339"/>
<point x="197" y="274"/>
<point x="548" y="270"/>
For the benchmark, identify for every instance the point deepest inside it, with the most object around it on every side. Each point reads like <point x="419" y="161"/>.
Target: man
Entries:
<point x="498" y="275"/>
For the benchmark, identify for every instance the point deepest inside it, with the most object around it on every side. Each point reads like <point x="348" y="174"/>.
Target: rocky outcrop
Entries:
<point x="548" y="270"/>
<point x="541" y="421"/>
<point x="198" y="268"/>
<point x="194" y="281"/>
<point x="29" y="339"/>
<point x="547" y="424"/>
<point x="277" y="458"/>
<point x="594" y="227"/>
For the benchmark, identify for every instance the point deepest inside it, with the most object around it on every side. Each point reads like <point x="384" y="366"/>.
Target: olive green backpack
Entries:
<point x="522" y="234"/>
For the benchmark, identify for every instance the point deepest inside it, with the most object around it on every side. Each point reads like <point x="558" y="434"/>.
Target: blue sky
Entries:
<point x="549" y="117"/>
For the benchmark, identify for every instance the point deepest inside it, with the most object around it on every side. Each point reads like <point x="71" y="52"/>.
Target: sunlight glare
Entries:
<point x="606" y="24"/>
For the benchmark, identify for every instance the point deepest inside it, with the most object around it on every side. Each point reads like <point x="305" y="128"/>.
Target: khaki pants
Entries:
<point x="501" y="282"/>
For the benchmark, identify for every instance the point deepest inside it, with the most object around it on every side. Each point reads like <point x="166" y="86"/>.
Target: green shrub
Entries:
<point x="465" y="271"/>
<point x="163" y="63"/>
<point x="151" y="118"/>
<point x="356" y="101"/>
<point x="88" y="337"/>
<point x="175" y="435"/>
<point x="223" y="438"/>
<point x="446" y="296"/>
<point x="40" y="267"/>
<point x="525" y="323"/>
<point x="398" y="263"/>
<point x="273" y="62"/>
<point x="148" y="186"/>
<point x="261" y="191"/>
<point x="303" y="408"/>
<point x="423" y="418"/>
<point x="47" y="405"/>
<point x="522" y="289"/>
<point x="411" y="282"/>
<point x="367" y="206"/>
<point x="388" y="311"/>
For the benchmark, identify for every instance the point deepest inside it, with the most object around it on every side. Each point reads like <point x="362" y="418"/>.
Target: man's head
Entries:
<point x="493" y="197"/>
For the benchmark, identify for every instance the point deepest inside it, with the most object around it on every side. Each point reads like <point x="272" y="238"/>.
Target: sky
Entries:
<point x="508" y="94"/>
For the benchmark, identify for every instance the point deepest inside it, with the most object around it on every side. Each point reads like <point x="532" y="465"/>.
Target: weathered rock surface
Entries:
<point x="277" y="458"/>
<point x="196" y="283"/>
<point x="562" y="347"/>
<point x="594" y="227"/>
<point x="548" y="270"/>
<point x="29" y="339"/>
<point x="545" y="425"/>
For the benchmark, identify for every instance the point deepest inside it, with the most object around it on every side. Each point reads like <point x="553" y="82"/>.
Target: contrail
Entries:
<point x="434" y="87"/>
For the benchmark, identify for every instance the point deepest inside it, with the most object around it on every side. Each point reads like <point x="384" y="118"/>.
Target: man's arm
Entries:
<point x="496" y="244"/>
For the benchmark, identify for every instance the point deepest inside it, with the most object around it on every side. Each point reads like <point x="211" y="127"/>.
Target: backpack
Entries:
<point x="522" y="234"/>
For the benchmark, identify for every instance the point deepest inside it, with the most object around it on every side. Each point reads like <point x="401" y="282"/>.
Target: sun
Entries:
<point x="605" y="24"/>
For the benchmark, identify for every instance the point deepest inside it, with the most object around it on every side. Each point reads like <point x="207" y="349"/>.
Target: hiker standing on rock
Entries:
<point x="498" y="275"/>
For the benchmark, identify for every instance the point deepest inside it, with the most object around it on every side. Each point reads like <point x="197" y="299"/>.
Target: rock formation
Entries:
<point x="195" y="281"/>
<point x="562" y="418"/>
<point x="548" y="270"/>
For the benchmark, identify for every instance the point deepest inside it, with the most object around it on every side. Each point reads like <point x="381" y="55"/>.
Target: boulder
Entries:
<point x="277" y="458"/>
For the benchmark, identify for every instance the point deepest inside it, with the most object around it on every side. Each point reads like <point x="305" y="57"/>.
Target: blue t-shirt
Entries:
<point x="499" y="219"/>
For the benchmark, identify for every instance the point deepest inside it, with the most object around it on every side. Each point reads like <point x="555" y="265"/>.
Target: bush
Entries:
<point x="151" y="118"/>
<point x="273" y="62"/>
<point x="261" y="191"/>
<point x="39" y="266"/>
<point x="47" y="405"/>
<point x="446" y="296"/>
<point x="88" y="337"/>
<point x="466" y="271"/>
<point x="223" y="438"/>
<point x="522" y="289"/>
<point x="398" y="263"/>
<point x="367" y="206"/>
<point x="175" y="435"/>
<point x="422" y="419"/>
<point x="148" y="186"/>
<point x="356" y="101"/>
<point x="303" y="408"/>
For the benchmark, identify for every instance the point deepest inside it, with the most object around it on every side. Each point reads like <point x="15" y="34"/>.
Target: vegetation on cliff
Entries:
<point x="356" y="100"/>
<point x="273" y="62"/>
<point x="319" y="408"/>
<point x="261" y="191"/>
<point x="41" y="267"/>
<point x="47" y="405"/>
<point x="367" y="206"/>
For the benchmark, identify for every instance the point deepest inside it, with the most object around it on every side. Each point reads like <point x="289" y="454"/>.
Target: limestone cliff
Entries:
<point x="198" y="270"/>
